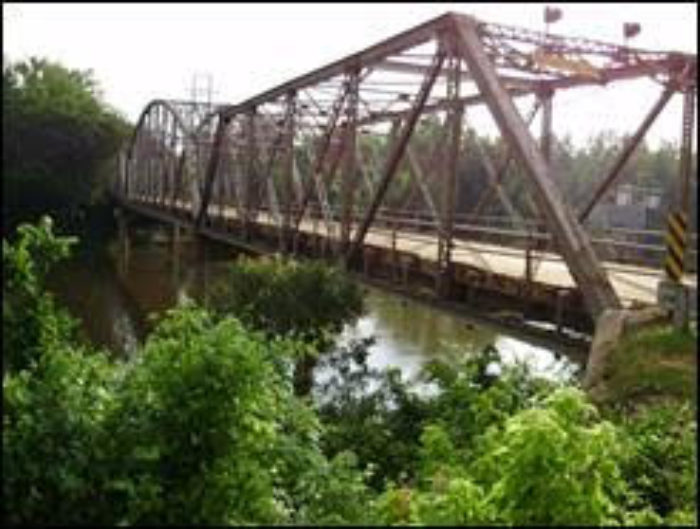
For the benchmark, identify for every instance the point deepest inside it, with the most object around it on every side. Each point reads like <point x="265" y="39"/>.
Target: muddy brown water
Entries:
<point x="114" y="300"/>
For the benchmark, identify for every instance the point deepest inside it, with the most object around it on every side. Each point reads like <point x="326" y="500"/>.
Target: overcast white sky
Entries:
<point x="144" y="51"/>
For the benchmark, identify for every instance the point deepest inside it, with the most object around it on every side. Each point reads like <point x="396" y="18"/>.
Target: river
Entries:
<point x="114" y="299"/>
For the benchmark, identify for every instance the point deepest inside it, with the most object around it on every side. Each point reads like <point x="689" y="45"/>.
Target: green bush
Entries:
<point x="282" y="297"/>
<point x="662" y="463"/>
<point x="555" y="464"/>
<point x="53" y="440"/>
<point x="31" y="322"/>
<point x="202" y="426"/>
<point x="381" y="417"/>
<point x="308" y="300"/>
<point x="373" y="414"/>
<point x="195" y="423"/>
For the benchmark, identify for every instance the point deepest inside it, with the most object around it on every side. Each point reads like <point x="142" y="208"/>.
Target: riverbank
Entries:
<point x="657" y="363"/>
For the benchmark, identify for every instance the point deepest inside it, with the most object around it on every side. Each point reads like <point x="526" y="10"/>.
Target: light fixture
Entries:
<point x="551" y="15"/>
<point x="630" y="30"/>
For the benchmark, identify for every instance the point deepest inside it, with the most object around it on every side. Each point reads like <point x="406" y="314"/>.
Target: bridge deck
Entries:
<point x="633" y="284"/>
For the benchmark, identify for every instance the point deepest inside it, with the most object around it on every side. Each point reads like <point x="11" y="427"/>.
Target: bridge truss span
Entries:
<point x="367" y="156"/>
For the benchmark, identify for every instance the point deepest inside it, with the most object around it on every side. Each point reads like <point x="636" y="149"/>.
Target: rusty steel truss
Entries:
<point x="343" y="149"/>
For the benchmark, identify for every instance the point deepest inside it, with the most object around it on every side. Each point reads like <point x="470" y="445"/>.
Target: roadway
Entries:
<point x="633" y="284"/>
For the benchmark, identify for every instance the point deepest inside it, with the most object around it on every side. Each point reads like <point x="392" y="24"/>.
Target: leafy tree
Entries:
<point x="370" y="413"/>
<point x="57" y="137"/>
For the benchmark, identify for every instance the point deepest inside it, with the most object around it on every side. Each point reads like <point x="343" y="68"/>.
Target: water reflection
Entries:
<point x="409" y="334"/>
<point x="114" y="300"/>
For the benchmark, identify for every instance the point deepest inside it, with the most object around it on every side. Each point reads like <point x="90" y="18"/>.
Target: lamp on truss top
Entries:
<point x="630" y="29"/>
<point x="551" y="15"/>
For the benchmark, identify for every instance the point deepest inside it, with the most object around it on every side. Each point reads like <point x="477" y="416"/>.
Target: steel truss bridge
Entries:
<point x="360" y="162"/>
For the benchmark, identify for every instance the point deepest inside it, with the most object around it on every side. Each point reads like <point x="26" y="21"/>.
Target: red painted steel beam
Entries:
<point x="626" y="153"/>
<point x="395" y="155"/>
<point x="369" y="56"/>
<point x="572" y="239"/>
<point x="212" y="166"/>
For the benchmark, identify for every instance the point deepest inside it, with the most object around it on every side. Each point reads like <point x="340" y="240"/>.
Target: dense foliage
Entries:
<point x="31" y="321"/>
<point x="310" y="301"/>
<point x="283" y="297"/>
<point x="202" y="426"/>
<point x="58" y="137"/>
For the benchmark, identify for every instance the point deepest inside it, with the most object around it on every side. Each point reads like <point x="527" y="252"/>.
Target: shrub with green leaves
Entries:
<point x="202" y="426"/>
<point x="195" y="424"/>
<point x="281" y="297"/>
<point x="373" y="414"/>
<point x="661" y="467"/>
<point x="53" y="439"/>
<point x="31" y="321"/>
<point x="555" y="464"/>
<point x="309" y="300"/>
<point x="381" y="417"/>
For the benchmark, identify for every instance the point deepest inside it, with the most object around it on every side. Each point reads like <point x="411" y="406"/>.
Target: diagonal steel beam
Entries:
<point x="409" y="197"/>
<point x="395" y="154"/>
<point x="492" y="175"/>
<point x="486" y="195"/>
<point x="321" y="153"/>
<point x="626" y="153"/>
<point x="573" y="240"/>
<point x="419" y="178"/>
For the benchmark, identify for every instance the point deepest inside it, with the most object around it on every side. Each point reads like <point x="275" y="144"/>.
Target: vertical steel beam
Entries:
<point x="288" y="173"/>
<point x="165" y="157"/>
<point x="454" y="123"/>
<point x="212" y="166"/>
<point x="686" y="154"/>
<point x="350" y="166"/>
<point x="546" y="97"/>
<point x="686" y="162"/>
<point x="626" y="153"/>
<point x="571" y="238"/>
<point x="395" y="154"/>
<point x="250" y="178"/>
<point x="173" y="162"/>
